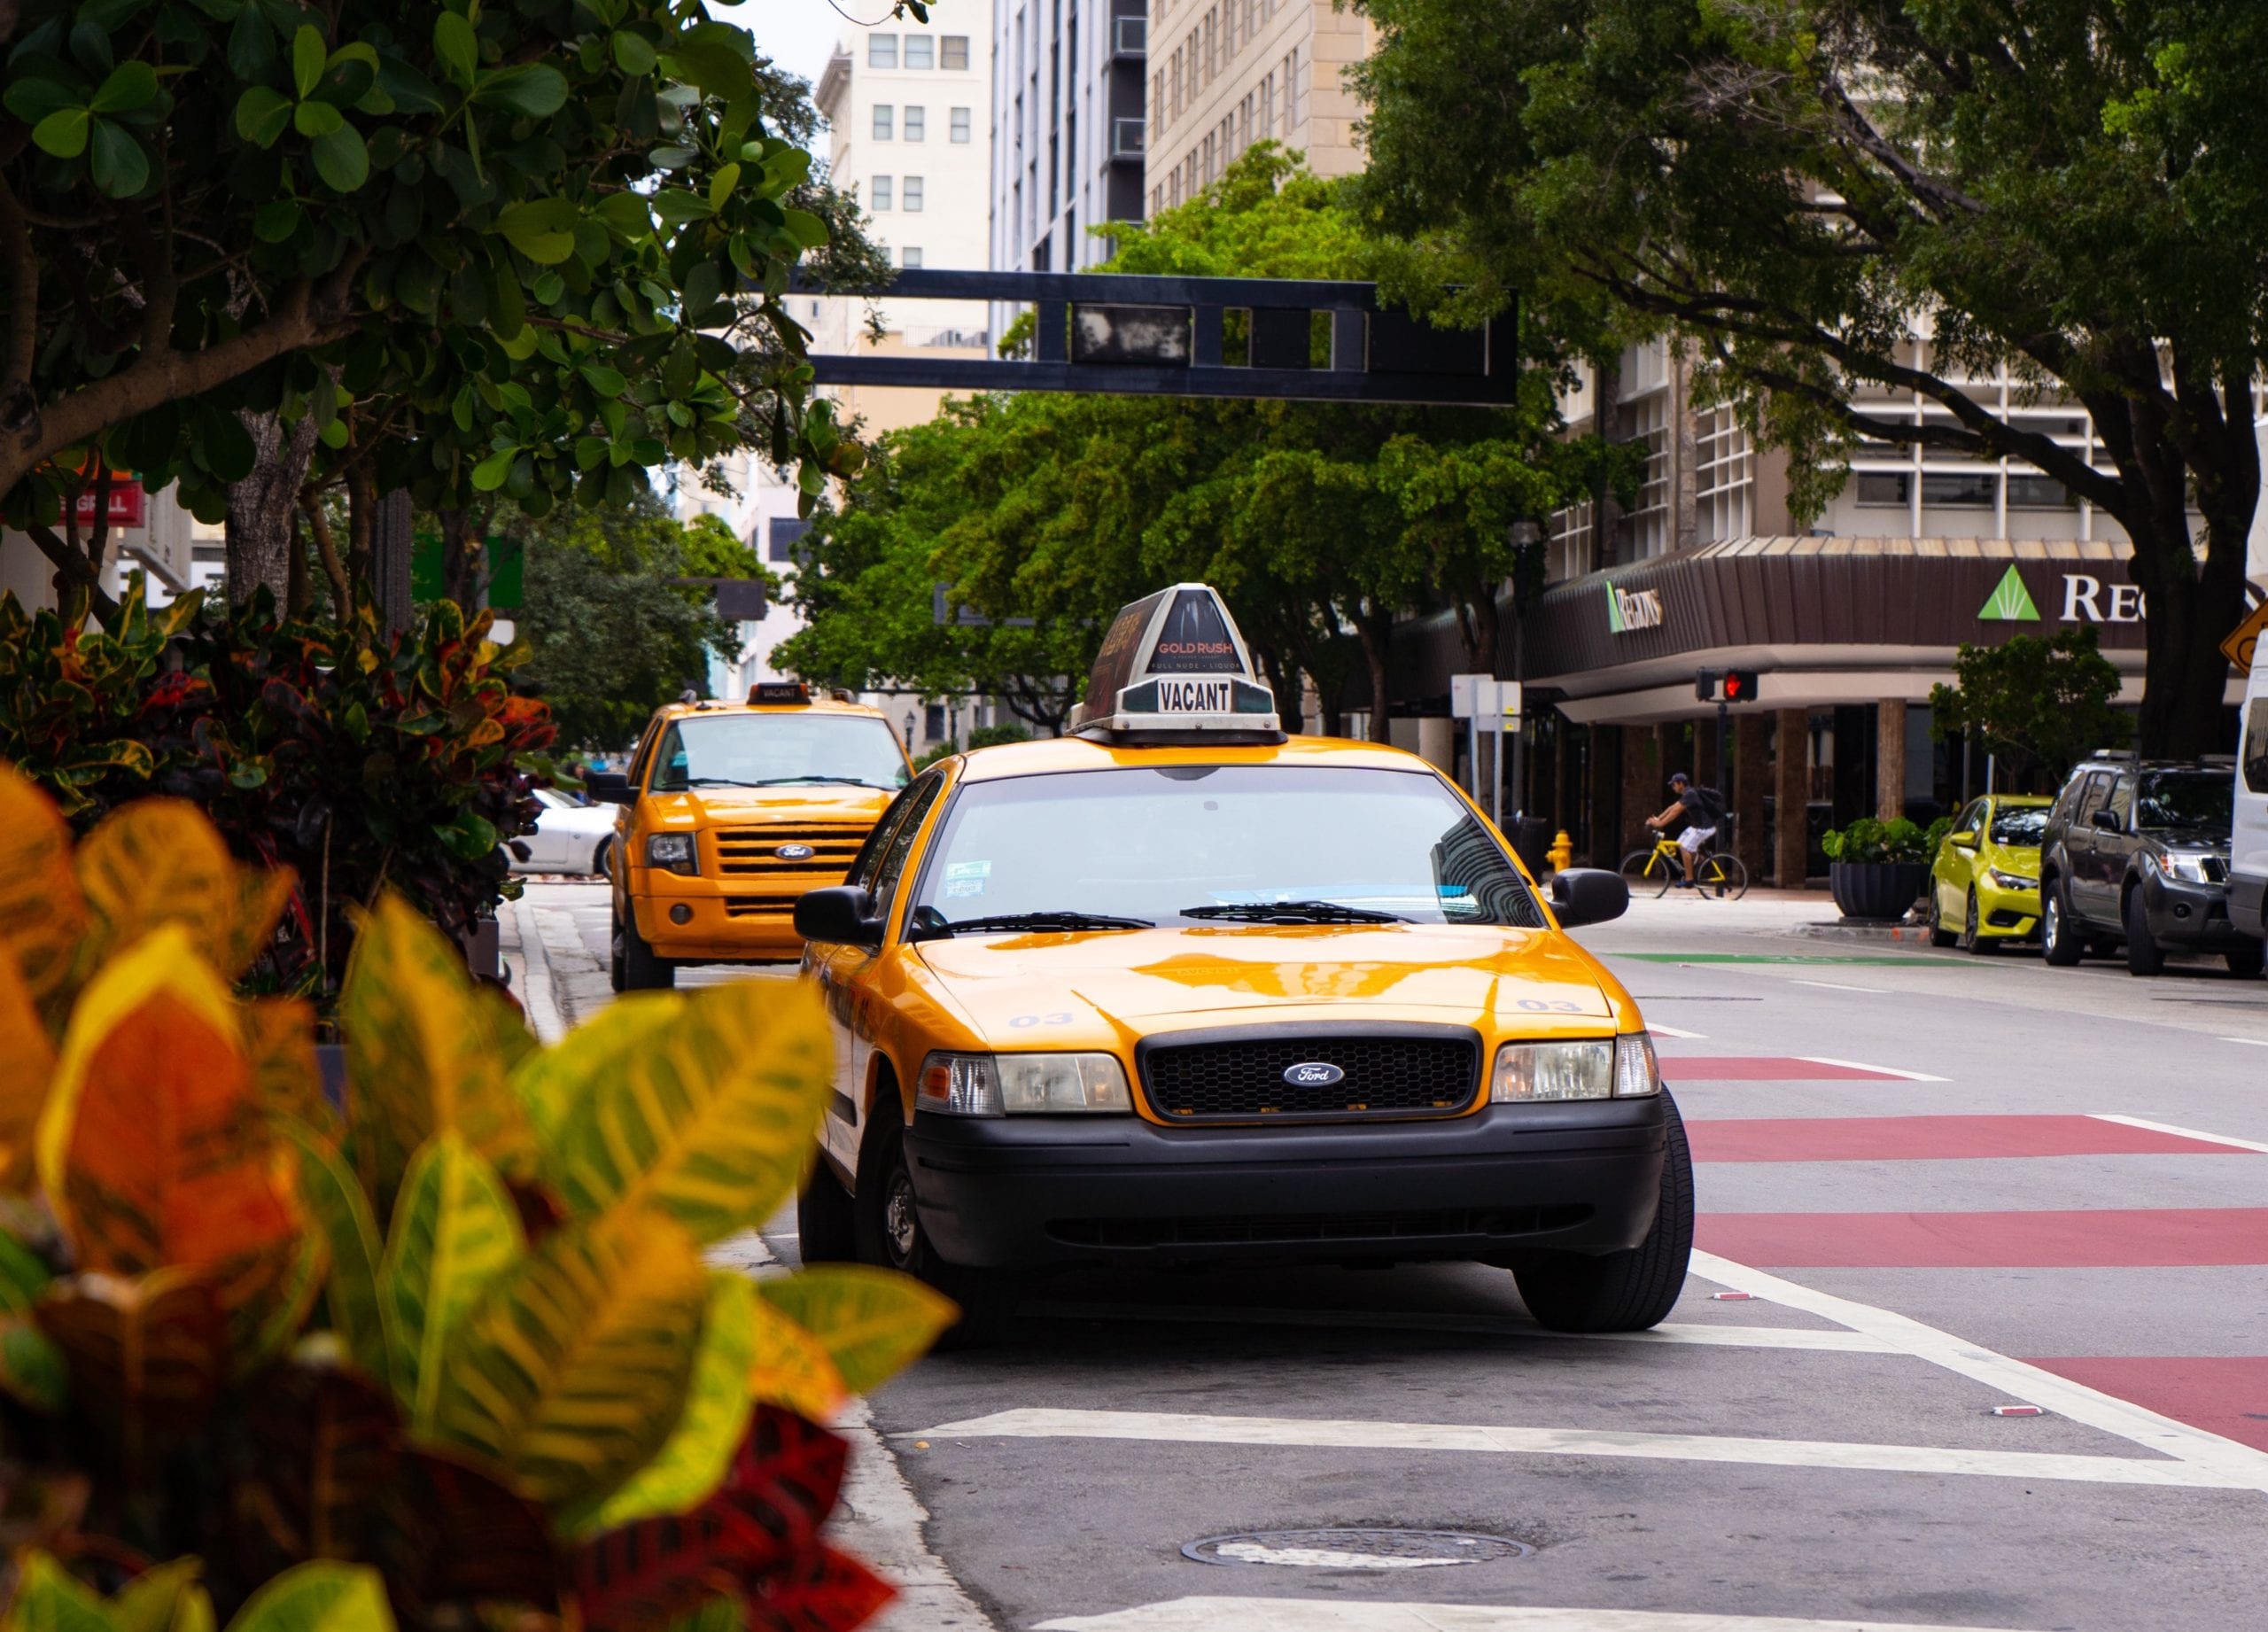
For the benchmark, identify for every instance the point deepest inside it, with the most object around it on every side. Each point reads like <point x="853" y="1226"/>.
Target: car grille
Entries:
<point x="1293" y="1228"/>
<point x="743" y="852"/>
<point x="759" y="906"/>
<point x="2215" y="869"/>
<point x="1243" y="1079"/>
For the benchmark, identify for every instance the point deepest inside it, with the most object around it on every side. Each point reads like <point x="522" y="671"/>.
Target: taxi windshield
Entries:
<point x="1220" y="843"/>
<point x="2186" y="799"/>
<point x="774" y="750"/>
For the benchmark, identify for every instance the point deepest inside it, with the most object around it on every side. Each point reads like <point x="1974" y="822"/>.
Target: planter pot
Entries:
<point x="1881" y="891"/>
<point x="330" y="1059"/>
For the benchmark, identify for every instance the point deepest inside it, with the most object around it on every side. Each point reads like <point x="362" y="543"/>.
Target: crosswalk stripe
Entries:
<point x="1935" y="1139"/>
<point x="1233" y="1614"/>
<point x="2187" y="1133"/>
<point x="1710" y="1335"/>
<point x="2065" y="1238"/>
<point x="1179" y="1427"/>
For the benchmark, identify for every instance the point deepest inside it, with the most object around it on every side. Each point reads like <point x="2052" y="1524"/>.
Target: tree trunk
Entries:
<point x="259" y="536"/>
<point x="2191" y="606"/>
<point x="1376" y="630"/>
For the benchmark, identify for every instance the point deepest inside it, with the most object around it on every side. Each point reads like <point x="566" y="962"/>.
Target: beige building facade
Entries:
<point x="1225" y="74"/>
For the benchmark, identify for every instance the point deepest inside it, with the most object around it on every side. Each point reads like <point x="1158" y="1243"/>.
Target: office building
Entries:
<point x="1068" y="129"/>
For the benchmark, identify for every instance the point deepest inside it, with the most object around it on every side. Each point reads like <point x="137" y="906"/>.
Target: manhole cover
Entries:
<point x="1355" y="1549"/>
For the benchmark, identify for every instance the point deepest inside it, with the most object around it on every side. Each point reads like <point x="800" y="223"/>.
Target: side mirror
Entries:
<point x="1589" y="896"/>
<point x="2108" y="820"/>
<point x="841" y="915"/>
<point x="606" y="787"/>
<point x="1966" y="839"/>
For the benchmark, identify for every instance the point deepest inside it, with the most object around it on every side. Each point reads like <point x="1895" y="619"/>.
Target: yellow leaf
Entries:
<point x="320" y="1596"/>
<point x="573" y="1369"/>
<point x="166" y="1599"/>
<point x="792" y="1368"/>
<point x="43" y="912"/>
<point x="49" y="1598"/>
<point x="713" y="1123"/>
<point x="421" y="1053"/>
<point x="26" y="1067"/>
<point x="340" y="1212"/>
<point x="158" y="861"/>
<point x="872" y="1322"/>
<point x="279" y="1044"/>
<point x="263" y="893"/>
<point x="552" y="1081"/>
<point x="455" y="1231"/>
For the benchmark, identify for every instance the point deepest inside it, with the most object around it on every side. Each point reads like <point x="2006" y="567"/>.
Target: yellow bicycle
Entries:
<point x="1717" y="873"/>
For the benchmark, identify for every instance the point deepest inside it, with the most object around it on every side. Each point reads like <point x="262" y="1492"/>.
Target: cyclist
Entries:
<point x="1702" y="809"/>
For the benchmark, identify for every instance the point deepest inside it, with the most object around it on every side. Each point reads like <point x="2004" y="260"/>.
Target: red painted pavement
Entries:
<point x="2227" y="1396"/>
<point x="1922" y="1138"/>
<point x="2107" y="1238"/>
<point x="1764" y="1068"/>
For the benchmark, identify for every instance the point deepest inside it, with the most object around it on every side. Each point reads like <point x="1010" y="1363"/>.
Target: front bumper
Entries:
<point x="2007" y="914"/>
<point x="1584" y="1176"/>
<point x="2189" y="916"/>
<point x="726" y="919"/>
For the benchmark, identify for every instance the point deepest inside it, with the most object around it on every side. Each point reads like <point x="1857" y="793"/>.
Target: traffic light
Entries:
<point x="1740" y="685"/>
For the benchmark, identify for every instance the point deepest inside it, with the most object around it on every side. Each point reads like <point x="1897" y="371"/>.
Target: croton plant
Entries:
<point x="451" y="1358"/>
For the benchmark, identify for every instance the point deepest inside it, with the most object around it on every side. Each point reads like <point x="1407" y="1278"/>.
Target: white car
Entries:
<point x="568" y="838"/>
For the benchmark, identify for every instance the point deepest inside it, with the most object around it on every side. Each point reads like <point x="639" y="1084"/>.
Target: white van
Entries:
<point x="2248" y="837"/>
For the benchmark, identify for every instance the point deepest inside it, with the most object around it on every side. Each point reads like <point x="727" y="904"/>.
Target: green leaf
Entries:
<point x="632" y="54"/>
<point x="341" y="158"/>
<point x="166" y="1599"/>
<point x="316" y="119"/>
<point x="49" y="1598"/>
<point x="22" y="1276"/>
<point x="32" y="1368"/>
<point x="872" y="1322"/>
<point x="320" y="1596"/>
<point x="543" y="229"/>
<point x="275" y="220"/>
<point x="131" y="85"/>
<point x="491" y="472"/>
<point x="334" y="1200"/>
<point x="308" y="56"/>
<point x="32" y="99"/>
<point x="533" y="88"/>
<point x="457" y="47"/>
<point x="252" y="44"/>
<point x="806" y="229"/>
<point x="115" y="159"/>
<point x="262" y="114"/>
<point x="454" y="1231"/>
<point x="607" y="381"/>
<point x="62" y="133"/>
<point x="625" y="213"/>
<point x="721" y="186"/>
<point x="693" y="1460"/>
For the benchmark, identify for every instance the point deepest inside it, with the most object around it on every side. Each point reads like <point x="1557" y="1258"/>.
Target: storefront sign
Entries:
<point x="2087" y="599"/>
<point x="129" y="504"/>
<point x="1629" y="610"/>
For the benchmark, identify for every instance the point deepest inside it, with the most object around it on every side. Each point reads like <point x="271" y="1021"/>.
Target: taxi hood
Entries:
<point x="787" y="802"/>
<point x="1129" y="981"/>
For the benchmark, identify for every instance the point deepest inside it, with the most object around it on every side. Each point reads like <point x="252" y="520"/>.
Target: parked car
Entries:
<point x="2248" y="837"/>
<point x="1985" y="877"/>
<point x="2137" y="852"/>
<point x="568" y="838"/>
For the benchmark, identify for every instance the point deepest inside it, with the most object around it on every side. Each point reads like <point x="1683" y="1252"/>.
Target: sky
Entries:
<point x="798" y="35"/>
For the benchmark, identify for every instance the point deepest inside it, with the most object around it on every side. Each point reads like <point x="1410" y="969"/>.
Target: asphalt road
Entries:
<point x="1946" y="1184"/>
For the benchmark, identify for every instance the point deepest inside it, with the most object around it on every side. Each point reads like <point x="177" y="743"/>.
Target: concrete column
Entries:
<point x="1602" y="838"/>
<point x="1890" y="758"/>
<point x="1790" y="792"/>
<point x="1750" y="782"/>
<point x="1641" y="775"/>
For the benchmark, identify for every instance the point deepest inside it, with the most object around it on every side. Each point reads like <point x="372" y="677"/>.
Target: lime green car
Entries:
<point x="1986" y="876"/>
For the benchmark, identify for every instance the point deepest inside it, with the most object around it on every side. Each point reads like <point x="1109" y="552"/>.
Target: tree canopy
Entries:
<point x="2041" y="702"/>
<point x="2069" y="193"/>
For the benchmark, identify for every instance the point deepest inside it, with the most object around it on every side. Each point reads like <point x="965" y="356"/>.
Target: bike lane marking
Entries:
<point x="1236" y="1615"/>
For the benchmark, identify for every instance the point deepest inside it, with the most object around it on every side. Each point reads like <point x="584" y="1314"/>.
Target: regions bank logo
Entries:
<point x="1631" y="610"/>
<point x="2010" y="602"/>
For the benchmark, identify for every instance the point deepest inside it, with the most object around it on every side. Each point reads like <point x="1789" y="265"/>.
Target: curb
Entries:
<point x="1907" y="935"/>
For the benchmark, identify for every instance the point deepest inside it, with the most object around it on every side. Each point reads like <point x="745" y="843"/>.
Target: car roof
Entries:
<point x="2021" y="798"/>
<point x="1049" y="755"/>
<point x="817" y="705"/>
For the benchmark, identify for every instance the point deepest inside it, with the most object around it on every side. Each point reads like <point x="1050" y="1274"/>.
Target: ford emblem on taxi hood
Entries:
<point x="1313" y="1074"/>
<point x="794" y="852"/>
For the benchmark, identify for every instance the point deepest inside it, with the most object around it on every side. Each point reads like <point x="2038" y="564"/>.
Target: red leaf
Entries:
<point x="762" y="1520"/>
<point x="827" y="1591"/>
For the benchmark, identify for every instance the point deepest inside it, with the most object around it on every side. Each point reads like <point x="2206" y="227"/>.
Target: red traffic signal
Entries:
<point x="1740" y="685"/>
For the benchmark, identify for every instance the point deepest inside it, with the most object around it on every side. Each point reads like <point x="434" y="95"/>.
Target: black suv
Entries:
<point x="2138" y="851"/>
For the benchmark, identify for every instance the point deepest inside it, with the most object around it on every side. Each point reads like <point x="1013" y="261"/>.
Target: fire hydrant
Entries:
<point x="1562" y="852"/>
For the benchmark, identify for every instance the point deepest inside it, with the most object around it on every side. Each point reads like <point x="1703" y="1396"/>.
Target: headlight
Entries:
<point x="2012" y="880"/>
<point x="672" y="852"/>
<point x="2190" y="868"/>
<point x="1619" y="1067"/>
<point x="1022" y="1084"/>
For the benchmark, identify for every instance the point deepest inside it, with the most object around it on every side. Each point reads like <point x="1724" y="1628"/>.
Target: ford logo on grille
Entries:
<point x="1313" y="1074"/>
<point x="794" y="852"/>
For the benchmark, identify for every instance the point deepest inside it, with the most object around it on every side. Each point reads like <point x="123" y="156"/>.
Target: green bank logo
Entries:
<point x="1630" y="610"/>
<point x="2010" y="601"/>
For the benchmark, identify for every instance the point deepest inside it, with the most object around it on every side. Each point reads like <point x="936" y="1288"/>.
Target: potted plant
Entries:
<point x="1876" y="869"/>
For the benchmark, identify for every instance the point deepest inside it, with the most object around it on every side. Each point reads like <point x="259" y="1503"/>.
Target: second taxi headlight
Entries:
<point x="2013" y="881"/>
<point x="1599" y="1069"/>
<point x="1022" y="1084"/>
<point x="672" y="852"/>
<point x="2190" y="868"/>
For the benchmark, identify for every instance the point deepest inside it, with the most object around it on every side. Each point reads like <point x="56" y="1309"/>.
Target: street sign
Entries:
<point x="1484" y="698"/>
<point x="2244" y="640"/>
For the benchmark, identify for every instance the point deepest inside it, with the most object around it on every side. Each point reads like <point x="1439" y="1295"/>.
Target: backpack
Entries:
<point x="1704" y="807"/>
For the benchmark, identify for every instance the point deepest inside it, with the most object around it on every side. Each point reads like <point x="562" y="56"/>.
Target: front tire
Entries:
<point x="1940" y="936"/>
<point x="826" y="1221"/>
<point x="2144" y="955"/>
<point x="888" y="1228"/>
<point x="602" y="859"/>
<point x="1973" y="928"/>
<point x="641" y="969"/>
<point x="2245" y="962"/>
<point x="2059" y="939"/>
<point x="1622" y="1291"/>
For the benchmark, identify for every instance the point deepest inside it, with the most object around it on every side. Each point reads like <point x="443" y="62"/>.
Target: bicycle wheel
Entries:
<point x="1722" y="876"/>
<point x="1636" y="869"/>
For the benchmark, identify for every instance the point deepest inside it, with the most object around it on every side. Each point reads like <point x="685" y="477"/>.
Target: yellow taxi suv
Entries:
<point x="1984" y="881"/>
<point x="731" y="811"/>
<point x="1180" y="989"/>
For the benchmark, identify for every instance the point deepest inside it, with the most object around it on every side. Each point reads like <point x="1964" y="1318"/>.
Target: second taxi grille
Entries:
<point x="827" y="847"/>
<point x="1272" y="1078"/>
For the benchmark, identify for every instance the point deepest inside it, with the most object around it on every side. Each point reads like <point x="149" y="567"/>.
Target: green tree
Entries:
<point x="2070" y="191"/>
<point x="611" y="638"/>
<point x="2041" y="702"/>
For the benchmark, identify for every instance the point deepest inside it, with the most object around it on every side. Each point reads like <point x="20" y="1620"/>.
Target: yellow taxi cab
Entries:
<point x="1985" y="875"/>
<point x="1181" y="989"/>
<point x="731" y="811"/>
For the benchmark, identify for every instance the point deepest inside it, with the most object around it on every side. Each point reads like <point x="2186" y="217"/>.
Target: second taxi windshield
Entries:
<point x="773" y="751"/>
<point x="1229" y="841"/>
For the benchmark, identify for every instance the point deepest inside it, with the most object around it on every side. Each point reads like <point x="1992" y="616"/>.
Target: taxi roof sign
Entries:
<point x="1171" y="664"/>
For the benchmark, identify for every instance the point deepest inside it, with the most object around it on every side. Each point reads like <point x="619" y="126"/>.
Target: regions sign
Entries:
<point x="2086" y="599"/>
<point x="1629" y="610"/>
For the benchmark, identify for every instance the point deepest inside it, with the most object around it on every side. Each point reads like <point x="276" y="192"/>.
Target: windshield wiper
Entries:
<point x="1293" y="913"/>
<point x="924" y="929"/>
<point x="846" y="782"/>
<point x="701" y="781"/>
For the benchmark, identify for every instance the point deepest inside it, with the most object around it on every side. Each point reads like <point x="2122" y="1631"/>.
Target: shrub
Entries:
<point x="362" y="762"/>
<point x="451" y="1360"/>
<point x="1867" y="841"/>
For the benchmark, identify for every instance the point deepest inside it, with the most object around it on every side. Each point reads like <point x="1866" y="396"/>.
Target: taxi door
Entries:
<point x="844" y="972"/>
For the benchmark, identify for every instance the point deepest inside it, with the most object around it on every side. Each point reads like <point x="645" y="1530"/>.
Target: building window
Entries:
<point x="1267" y="124"/>
<point x="920" y="50"/>
<point x="1295" y="102"/>
<point x="881" y="51"/>
<point x="881" y="121"/>
<point x="1969" y="490"/>
<point x="2038" y="492"/>
<point x="957" y="125"/>
<point x="1724" y="473"/>
<point x="1877" y="487"/>
<point x="909" y="257"/>
<point x="785" y="533"/>
<point x="913" y="198"/>
<point x="880" y="192"/>
<point x="955" y="56"/>
<point x="1211" y="46"/>
<point x="917" y="124"/>
<point x="1173" y="84"/>
<point x="1648" y="520"/>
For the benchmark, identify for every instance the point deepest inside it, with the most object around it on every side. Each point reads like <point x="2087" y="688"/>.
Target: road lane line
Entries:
<point x="1883" y="1071"/>
<point x="1302" y="1433"/>
<point x="1233" y="1614"/>
<point x="2239" y="1466"/>
<point x="1708" y="1336"/>
<point x="1659" y="1030"/>
<point x="2187" y="1133"/>
<point x="2250" y="1042"/>
<point x="1837" y="985"/>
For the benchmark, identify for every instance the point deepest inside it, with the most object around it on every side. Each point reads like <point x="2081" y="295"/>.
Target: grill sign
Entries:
<point x="1195" y="697"/>
<point x="1313" y="1074"/>
<point x="794" y="852"/>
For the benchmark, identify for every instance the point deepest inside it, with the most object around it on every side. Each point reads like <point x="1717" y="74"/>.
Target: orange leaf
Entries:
<point x="27" y="1064"/>
<point x="153" y="1347"/>
<point x="160" y="861"/>
<point x="42" y="914"/>
<point x="263" y="893"/>
<point x="792" y="1368"/>
<point x="151" y="1147"/>
<point x="279" y="1044"/>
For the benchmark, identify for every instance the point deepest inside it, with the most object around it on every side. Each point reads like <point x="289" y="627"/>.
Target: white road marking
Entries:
<point x="1659" y="1030"/>
<point x="1832" y="985"/>
<point x="1324" y="1557"/>
<point x="1177" y="1427"/>
<point x="1861" y="1065"/>
<point x="2250" y="1042"/>
<point x="2224" y="1461"/>
<point x="1227" y="1615"/>
<point x="1708" y="1335"/>
<point x="2187" y="1133"/>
